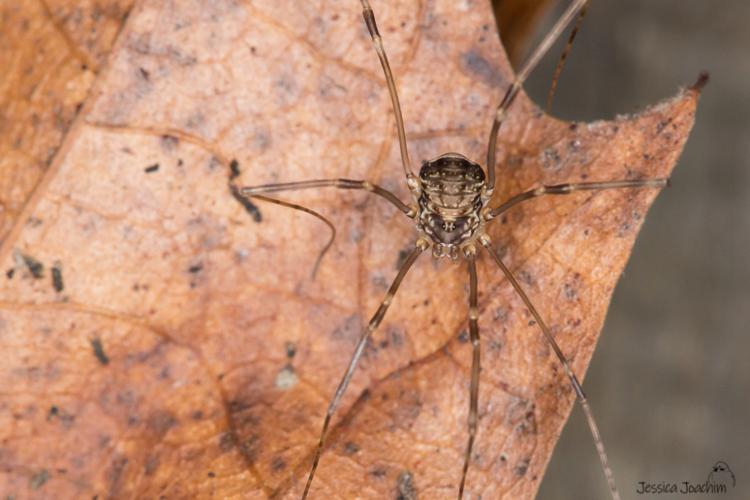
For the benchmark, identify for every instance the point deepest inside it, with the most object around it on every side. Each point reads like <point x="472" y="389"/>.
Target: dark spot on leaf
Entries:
<point x="378" y="472"/>
<point x="463" y="337"/>
<point x="522" y="467"/>
<point x="248" y="205"/>
<point x="662" y="125"/>
<point x="214" y="163"/>
<point x="114" y="474"/>
<point x="96" y="344"/>
<point x="197" y="415"/>
<point x="195" y="268"/>
<point x="169" y="142"/>
<point x="57" y="279"/>
<point x="527" y="426"/>
<point x="526" y="277"/>
<point x="287" y="88"/>
<point x="10" y="272"/>
<point x="144" y="74"/>
<point x="160" y="422"/>
<point x="500" y="314"/>
<point x="261" y="140"/>
<point x="351" y="448"/>
<point x="151" y="464"/>
<point x="151" y="168"/>
<point x="35" y="267"/>
<point x="236" y="406"/>
<point x="397" y="337"/>
<point x="550" y="159"/>
<point x="38" y="479"/>
<point x="34" y="221"/>
<point x="249" y="448"/>
<point x="349" y="330"/>
<point x="227" y="441"/>
<point x="53" y="412"/>
<point x="405" y="489"/>
<point x="234" y="169"/>
<point x="278" y="464"/>
<point x="211" y="474"/>
<point x="291" y="349"/>
<point x="476" y="63"/>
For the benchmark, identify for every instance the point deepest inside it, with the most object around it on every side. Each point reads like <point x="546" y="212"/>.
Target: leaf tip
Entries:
<point x="701" y="82"/>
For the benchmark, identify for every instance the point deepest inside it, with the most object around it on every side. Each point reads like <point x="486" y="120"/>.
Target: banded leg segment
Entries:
<point x="371" y="327"/>
<point x="521" y="77"/>
<point x="564" y="56"/>
<point x="485" y="241"/>
<point x="475" y="367"/>
<point x="573" y="187"/>
<point x="377" y="42"/>
<point x="337" y="183"/>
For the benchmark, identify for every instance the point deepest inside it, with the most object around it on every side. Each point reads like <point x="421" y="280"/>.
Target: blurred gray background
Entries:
<point x="670" y="380"/>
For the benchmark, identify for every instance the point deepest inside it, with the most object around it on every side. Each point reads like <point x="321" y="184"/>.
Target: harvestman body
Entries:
<point x="450" y="207"/>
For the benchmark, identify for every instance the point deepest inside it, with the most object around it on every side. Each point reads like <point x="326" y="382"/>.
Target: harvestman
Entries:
<point x="450" y="208"/>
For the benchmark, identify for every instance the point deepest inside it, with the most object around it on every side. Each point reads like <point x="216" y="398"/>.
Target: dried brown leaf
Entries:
<point x="50" y="53"/>
<point x="181" y="349"/>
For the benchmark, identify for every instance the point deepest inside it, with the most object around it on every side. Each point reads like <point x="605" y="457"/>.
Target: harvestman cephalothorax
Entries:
<point x="450" y="207"/>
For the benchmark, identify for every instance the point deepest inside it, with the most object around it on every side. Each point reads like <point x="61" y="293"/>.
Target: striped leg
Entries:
<point x="485" y="241"/>
<point x="521" y="76"/>
<point x="244" y="194"/>
<point x="573" y="187"/>
<point x="377" y="42"/>
<point x="371" y="327"/>
<point x="564" y="56"/>
<point x="475" y="366"/>
<point x="337" y="183"/>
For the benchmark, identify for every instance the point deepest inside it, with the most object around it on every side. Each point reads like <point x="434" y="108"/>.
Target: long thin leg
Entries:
<point x="337" y="183"/>
<point x="572" y="187"/>
<point x="374" y="322"/>
<point x="521" y="76"/>
<point x="377" y="41"/>
<point x="243" y="198"/>
<point x="475" y="366"/>
<point x="485" y="241"/>
<point x="564" y="56"/>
